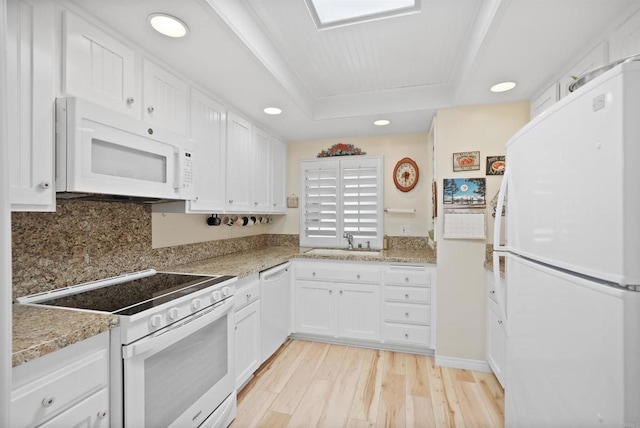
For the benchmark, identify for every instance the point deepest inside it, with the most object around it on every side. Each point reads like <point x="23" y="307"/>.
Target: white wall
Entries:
<point x="392" y="148"/>
<point x="168" y="230"/>
<point x="460" y="271"/>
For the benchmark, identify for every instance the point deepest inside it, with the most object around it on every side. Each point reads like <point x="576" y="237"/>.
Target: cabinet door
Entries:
<point x="261" y="155"/>
<point x="165" y="99"/>
<point x="238" y="174"/>
<point x="496" y="341"/>
<point x="30" y="105"/>
<point x="247" y="342"/>
<point x="315" y="308"/>
<point x="98" y="67"/>
<point x="278" y="176"/>
<point x="359" y="311"/>
<point x="208" y="130"/>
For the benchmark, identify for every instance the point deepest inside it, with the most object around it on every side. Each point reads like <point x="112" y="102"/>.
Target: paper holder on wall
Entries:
<point x="400" y="210"/>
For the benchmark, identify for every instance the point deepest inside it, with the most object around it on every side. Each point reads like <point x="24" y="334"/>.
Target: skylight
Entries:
<point x="336" y="13"/>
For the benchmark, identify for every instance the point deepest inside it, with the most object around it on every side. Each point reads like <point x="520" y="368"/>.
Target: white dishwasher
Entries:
<point x="275" y="285"/>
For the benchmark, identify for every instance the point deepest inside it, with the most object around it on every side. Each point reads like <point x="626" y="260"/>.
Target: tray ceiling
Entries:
<point x="335" y="82"/>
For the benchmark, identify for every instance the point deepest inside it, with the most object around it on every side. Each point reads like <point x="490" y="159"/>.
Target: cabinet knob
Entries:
<point x="230" y="201"/>
<point x="330" y="291"/>
<point x="358" y="276"/>
<point x="499" y="322"/>
<point x="150" y="109"/>
<point x="492" y="291"/>
<point x="255" y="203"/>
<point x="48" y="401"/>
<point x="406" y="279"/>
<point x="341" y="292"/>
<point x="313" y="274"/>
<point x="248" y="296"/>
<point x="406" y="335"/>
<point x="130" y="100"/>
<point x="274" y="205"/>
<point x="102" y="414"/>
<point x="406" y="314"/>
<point x="45" y="185"/>
<point x="406" y="296"/>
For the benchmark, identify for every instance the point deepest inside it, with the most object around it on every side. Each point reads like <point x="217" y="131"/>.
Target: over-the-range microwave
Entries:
<point x="104" y="154"/>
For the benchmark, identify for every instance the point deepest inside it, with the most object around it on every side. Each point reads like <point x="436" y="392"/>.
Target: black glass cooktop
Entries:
<point x="138" y="295"/>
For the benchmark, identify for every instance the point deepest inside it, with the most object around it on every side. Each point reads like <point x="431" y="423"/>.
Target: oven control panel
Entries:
<point x="152" y="320"/>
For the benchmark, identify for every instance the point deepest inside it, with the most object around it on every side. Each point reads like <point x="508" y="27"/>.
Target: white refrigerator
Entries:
<point x="571" y="304"/>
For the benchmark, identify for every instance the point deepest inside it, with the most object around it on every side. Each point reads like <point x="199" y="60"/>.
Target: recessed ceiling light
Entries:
<point x="503" y="86"/>
<point x="168" y="25"/>
<point x="272" y="110"/>
<point x="382" y="122"/>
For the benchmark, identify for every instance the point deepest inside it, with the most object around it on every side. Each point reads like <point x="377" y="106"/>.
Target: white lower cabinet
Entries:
<point x="67" y="388"/>
<point x="365" y="302"/>
<point x="408" y="296"/>
<point x="496" y="335"/>
<point x="247" y="315"/>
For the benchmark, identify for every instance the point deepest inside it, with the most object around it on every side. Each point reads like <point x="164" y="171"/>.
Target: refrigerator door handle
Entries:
<point x="497" y="225"/>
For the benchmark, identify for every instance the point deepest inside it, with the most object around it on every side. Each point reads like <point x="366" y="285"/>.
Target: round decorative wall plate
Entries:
<point x="405" y="174"/>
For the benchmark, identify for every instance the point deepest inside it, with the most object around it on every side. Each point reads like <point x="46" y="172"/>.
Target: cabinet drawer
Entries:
<point x="247" y="294"/>
<point x="407" y="294"/>
<point x="409" y="313"/>
<point x="92" y="412"/>
<point x="408" y="277"/>
<point x="333" y="274"/>
<point x="407" y="334"/>
<point x="43" y="398"/>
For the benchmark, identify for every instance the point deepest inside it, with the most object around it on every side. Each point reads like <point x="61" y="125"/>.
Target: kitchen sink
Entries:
<point x="343" y="252"/>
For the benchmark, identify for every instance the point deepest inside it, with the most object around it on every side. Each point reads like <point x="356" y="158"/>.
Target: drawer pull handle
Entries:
<point x="102" y="414"/>
<point x="48" y="401"/>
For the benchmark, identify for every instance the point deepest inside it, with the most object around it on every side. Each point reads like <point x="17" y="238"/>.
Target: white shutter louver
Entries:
<point x="341" y="196"/>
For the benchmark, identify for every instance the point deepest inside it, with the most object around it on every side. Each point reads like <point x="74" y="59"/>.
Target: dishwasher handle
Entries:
<point x="276" y="273"/>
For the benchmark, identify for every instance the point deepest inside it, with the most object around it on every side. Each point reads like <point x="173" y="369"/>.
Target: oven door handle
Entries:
<point x="180" y="330"/>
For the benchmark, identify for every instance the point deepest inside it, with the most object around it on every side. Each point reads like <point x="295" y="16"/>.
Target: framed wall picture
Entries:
<point x="466" y="161"/>
<point x="495" y="165"/>
<point x="464" y="192"/>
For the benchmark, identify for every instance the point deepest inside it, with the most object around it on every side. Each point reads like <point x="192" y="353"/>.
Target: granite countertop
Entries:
<point x="38" y="331"/>
<point x="242" y="264"/>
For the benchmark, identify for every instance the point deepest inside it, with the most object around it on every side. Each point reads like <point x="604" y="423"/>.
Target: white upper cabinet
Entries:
<point x="30" y="104"/>
<point x="239" y="173"/>
<point x="545" y="100"/>
<point x="208" y="130"/>
<point x="261" y="176"/>
<point x="278" y="176"/>
<point x="98" y="67"/>
<point x="165" y="99"/>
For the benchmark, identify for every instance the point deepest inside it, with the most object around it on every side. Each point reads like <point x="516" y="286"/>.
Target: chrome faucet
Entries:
<point x="349" y="237"/>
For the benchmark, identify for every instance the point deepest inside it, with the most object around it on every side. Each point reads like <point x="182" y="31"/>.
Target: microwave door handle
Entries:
<point x="177" y="178"/>
<point x="497" y="225"/>
<point x="178" y="332"/>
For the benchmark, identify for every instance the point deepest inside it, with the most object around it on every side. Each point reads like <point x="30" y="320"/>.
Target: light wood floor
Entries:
<point x="309" y="384"/>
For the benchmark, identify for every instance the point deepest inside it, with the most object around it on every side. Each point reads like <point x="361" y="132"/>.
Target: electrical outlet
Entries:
<point x="405" y="229"/>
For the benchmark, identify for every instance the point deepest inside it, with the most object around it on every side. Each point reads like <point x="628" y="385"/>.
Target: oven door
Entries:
<point x="178" y="376"/>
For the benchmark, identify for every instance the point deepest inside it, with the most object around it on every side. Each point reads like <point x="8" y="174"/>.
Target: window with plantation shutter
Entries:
<point x="338" y="196"/>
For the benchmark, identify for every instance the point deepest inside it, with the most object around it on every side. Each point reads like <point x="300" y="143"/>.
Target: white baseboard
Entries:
<point x="463" y="363"/>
